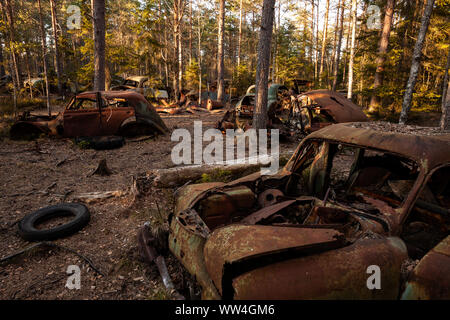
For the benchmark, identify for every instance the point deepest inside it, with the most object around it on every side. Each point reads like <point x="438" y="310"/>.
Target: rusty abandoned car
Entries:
<point x="91" y="114"/>
<point x="306" y="112"/>
<point x="352" y="196"/>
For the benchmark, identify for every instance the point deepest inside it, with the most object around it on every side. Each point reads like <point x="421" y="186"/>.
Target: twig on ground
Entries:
<point x="52" y="245"/>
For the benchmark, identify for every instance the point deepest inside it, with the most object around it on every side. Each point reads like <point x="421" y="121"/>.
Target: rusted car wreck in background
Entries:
<point x="352" y="196"/>
<point x="92" y="114"/>
<point x="307" y="112"/>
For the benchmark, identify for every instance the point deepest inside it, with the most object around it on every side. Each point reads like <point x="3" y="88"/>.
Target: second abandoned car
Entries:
<point x="91" y="114"/>
<point x="353" y="198"/>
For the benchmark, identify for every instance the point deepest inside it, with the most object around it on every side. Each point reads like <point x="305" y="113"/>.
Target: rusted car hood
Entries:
<point x="340" y="108"/>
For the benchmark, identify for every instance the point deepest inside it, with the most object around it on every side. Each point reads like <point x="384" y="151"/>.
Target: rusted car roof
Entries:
<point x="426" y="148"/>
<point x="339" y="107"/>
<point x="130" y="95"/>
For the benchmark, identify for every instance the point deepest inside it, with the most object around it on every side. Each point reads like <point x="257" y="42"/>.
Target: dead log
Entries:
<point x="176" y="177"/>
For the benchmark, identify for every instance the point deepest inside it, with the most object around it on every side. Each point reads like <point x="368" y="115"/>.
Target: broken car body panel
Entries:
<point x="320" y="108"/>
<point x="301" y="247"/>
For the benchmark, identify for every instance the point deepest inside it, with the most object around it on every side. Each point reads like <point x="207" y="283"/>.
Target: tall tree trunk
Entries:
<point x="44" y="57"/>
<point x="98" y="14"/>
<point x="339" y="43"/>
<point x="7" y="10"/>
<point x="417" y="55"/>
<point x="29" y="71"/>
<point x="263" y="65"/>
<point x="316" y="45"/>
<point x="352" y="52"/>
<point x="274" y="51"/>
<point x="180" y="57"/>
<point x="2" y="61"/>
<point x="375" y="101"/>
<point x="220" y="53"/>
<point x="445" y="119"/>
<point x="58" y="65"/>
<point x="199" y="60"/>
<point x="190" y="31"/>
<point x="240" y="34"/>
<point x="312" y="37"/>
<point x="324" y="42"/>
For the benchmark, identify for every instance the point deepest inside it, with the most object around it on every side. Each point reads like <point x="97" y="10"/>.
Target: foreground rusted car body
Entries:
<point x="92" y="114"/>
<point x="350" y="198"/>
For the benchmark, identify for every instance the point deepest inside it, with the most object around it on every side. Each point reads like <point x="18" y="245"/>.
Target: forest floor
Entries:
<point x="57" y="170"/>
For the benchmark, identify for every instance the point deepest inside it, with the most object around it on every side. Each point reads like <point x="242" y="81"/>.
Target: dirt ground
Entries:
<point x="50" y="171"/>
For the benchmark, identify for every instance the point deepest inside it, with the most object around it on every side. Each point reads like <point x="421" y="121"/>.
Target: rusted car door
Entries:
<point x="426" y="231"/>
<point x="113" y="113"/>
<point x="82" y="118"/>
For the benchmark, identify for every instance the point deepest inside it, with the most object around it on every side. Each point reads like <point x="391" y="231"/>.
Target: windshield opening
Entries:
<point x="361" y="178"/>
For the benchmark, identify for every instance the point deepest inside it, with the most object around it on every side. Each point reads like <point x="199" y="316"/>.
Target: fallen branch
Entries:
<point x="91" y="196"/>
<point x="52" y="245"/>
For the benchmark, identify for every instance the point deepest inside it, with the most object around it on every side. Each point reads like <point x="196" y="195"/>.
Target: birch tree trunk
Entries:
<point x="338" y="47"/>
<point x="263" y="65"/>
<point x="98" y="14"/>
<point x="324" y="42"/>
<point x="352" y="51"/>
<point x="417" y="55"/>
<point x="58" y="65"/>
<point x="220" y="53"/>
<point x="44" y="57"/>
<point x="375" y="101"/>
<point x="445" y="119"/>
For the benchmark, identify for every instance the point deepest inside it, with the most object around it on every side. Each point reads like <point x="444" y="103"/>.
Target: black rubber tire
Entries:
<point x="102" y="143"/>
<point x="28" y="231"/>
<point x="107" y="143"/>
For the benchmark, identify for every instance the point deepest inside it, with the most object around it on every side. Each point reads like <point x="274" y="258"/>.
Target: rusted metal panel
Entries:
<point x="337" y="274"/>
<point x="186" y="242"/>
<point x="236" y="242"/>
<point x="221" y="207"/>
<point x="266" y="212"/>
<point x="430" y="279"/>
<point x="188" y="194"/>
<point x="341" y="109"/>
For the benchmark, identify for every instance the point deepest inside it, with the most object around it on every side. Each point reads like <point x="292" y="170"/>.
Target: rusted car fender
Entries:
<point x="267" y="262"/>
<point x="25" y="129"/>
<point x="430" y="278"/>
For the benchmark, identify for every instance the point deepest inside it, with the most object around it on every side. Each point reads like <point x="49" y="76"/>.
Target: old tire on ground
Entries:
<point x="28" y="230"/>
<point x="102" y="143"/>
<point x="24" y="131"/>
<point x="136" y="129"/>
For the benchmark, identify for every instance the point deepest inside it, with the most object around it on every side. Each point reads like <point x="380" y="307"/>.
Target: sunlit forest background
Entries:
<point x="142" y="39"/>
